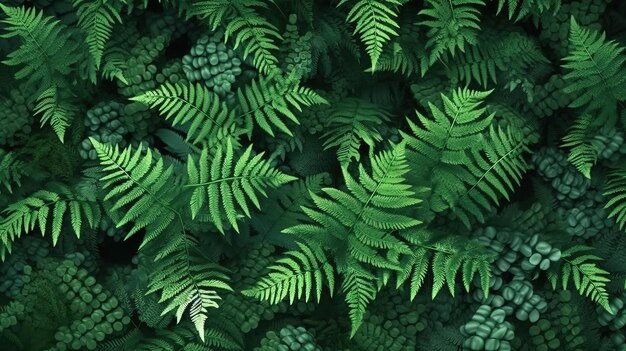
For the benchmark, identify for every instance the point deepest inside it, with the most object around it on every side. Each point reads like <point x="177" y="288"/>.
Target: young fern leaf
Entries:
<point x="250" y="30"/>
<point x="228" y="187"/>
<point x="596" y="69"/>
<point x="191" y="104"/>
<point x="296" y="275"/>
<point x="351" y="122"/>
<point x="266" y="98"/>
<point x="375" y="22"/>
<point x="46" y="209"/>
<point x="583" y="154"/>
<point x="447" y="258"/>
<point x="452" y="24"/>
<point x="46" y="54"/>
<point x="96" y="19"/>
<point x="615" y="193"/>
<point x="589" y="279"/>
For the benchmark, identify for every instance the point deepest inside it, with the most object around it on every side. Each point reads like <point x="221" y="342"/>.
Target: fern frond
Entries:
<point x="139" y="187"/>
<point x="197" y="290"/>
<point x="446" y="258"/>
<point x="266" y="99"/>
<point x="452" y="24"/>
<point x="615" y="192"/>
<point x="440" y="148"/>
<point x="255" y="34"/>
<point x="48" y="210"/>
<point x="191" y="104"/>
<point x="496" y="169"/>
<point x="589" y="279"/>
<point x="227" y="188"/>
<point x="525" y="7"/>
<point x="283" y="208"/>
<point x="351" y="122"/>
<point x="596" y="69"/>
<point x="296" y="274"/>
<point x="47" y="54"/>
<point x="583" y="154"/>
<point x="11" y="170"/>
<point x="54" y="109"/>
<point x="512" y="52"/>
<point x="115" y="64"/>
<point x="375" y="22"/>
<point x="96" y="18"/>
<point x="360" y="289"/>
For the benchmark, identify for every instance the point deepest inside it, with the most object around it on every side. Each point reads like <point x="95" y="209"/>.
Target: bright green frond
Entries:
<point x="96" y="18"/>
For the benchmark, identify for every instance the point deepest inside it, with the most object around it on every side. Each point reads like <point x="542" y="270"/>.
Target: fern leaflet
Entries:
<point x="96" y="18"/>
<point x="225" y="186"/>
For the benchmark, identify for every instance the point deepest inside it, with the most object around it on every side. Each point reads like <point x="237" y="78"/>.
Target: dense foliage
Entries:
<point x="312" y="175"/>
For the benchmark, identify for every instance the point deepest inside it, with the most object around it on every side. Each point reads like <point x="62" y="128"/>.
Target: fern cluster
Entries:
<point x="308" y="175"/>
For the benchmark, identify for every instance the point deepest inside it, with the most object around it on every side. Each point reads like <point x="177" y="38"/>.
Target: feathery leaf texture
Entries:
<point x="596" y="69"/>
<point x="190" y="104"/>
<point x="589" y="279"/>
<point x="139" y="187"/>
<point x="512" y="52"/>
<point x="137" y="184"/>
<point x="446" y="257"/>
<point x="469" y="163"/>
<point x="583" y="153"/>
<point x="227" y="187"/>
<point x="266" y="99"/>
<point x="352" y="121"/>
<point x="188" y="280"/>
<point x="47" y="54"/>
<point x="44" y="207"/>
<point x="452" y="24"/>
<point x="525" y="7"/>
<point x="96" y="18"/>
<point x="255" y="34"/>
<point x="375" y="22"/>
<point x="296" y="274"/>
<point x="357" y="226"/>
<point x="615" y="192"/>
<point x="11" y="170"/>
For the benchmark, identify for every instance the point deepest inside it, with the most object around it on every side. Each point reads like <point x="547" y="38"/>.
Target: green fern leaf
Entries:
<point x="250" y="30"/>
<point x="375" y="22"/>
<point x="47" y="55"/>
<point x="360" y="291"/>
<point x="596" y="69"/>
<point x="452" y="24"/>
<point x="46" y="209"/>
<point x="296" y="274"/>
<point x="525" y="7"/>
<point x="192" y="105"/>
<point x="225" y="187"/>
<point x="11" y="170"/>
<point x="583" y="154"/>
<point x="615" y="192"/>
<point x="350" y="122"/>
<point x="96" y="18"/>
<point x="266" y="99"/>
<point x="589" y="279"/>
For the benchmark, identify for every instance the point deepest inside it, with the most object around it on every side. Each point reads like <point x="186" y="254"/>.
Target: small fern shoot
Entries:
<point x="96" y="18"/>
